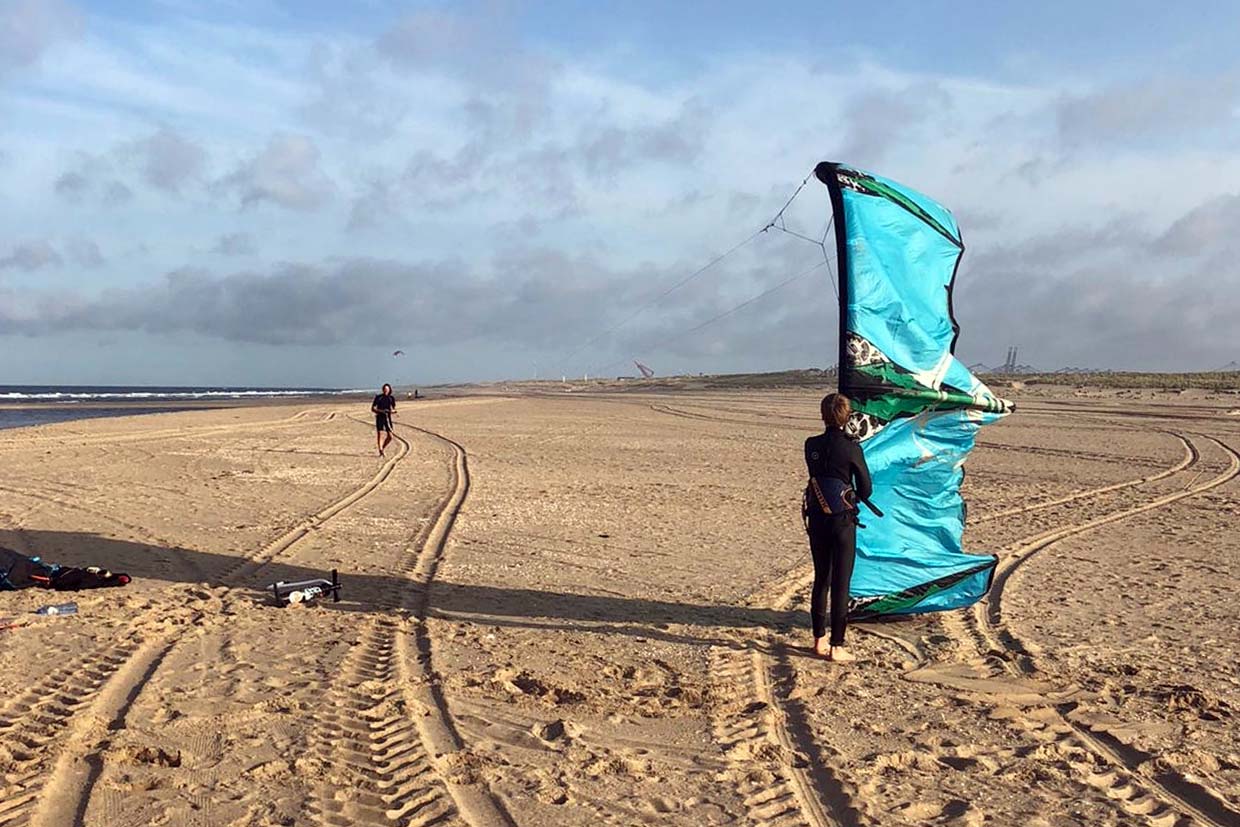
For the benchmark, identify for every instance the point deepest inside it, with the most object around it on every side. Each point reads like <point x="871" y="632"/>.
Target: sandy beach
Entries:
<point x="584" y="609"/>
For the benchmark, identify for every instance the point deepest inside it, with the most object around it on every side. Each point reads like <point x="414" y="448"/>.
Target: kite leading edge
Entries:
<point x="916" y="408"/>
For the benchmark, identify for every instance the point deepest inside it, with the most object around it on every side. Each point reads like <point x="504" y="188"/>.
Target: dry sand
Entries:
<point x="583" y="610"/>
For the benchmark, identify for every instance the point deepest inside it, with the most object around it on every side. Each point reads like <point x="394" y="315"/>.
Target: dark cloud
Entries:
<point x="30" y="256"/>
<point x="1074" y="244"/>
<point x="1093" y="297"/>
<point x="235" y="244"/>
<point x="537" y="299"/>
<point x="749" y="316"/>
<point x="72" y="185"/>
<point x="438" y="181"/>
<point x="378" y="204"/>
<point x="356" y="301"/>
<point x="1203" y="229"/>
<point x="28" y="28"/>
<point x="168" y="161"/>
<point x="117" y="193"/>
<point x="90" y="176"/>
<point x="163" y="159"/>
<point x="1096" y="297"/>
<point x="606" y="149"/>
<point x="86" y="253"/>
<point x="1100" y="317"/>
<point x="285" y="173"/>
<point x="1161" y="107"/>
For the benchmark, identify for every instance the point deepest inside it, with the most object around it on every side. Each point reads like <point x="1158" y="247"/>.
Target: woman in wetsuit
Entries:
<point x="838" y="479"/>
<point x="383" y="407"/>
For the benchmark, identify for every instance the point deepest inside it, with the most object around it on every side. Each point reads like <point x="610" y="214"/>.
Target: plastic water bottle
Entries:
<point x="57" y="609"/>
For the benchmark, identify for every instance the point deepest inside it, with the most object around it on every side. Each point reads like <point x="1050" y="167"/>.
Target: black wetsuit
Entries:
<point x="383" y="406"/>
<point x="833" y="537"/>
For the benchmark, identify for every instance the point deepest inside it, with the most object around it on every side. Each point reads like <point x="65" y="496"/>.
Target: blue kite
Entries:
<point x="916" y="408"/>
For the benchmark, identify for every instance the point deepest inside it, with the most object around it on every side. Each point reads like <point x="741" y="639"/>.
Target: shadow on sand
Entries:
<point x="378" y="592"/>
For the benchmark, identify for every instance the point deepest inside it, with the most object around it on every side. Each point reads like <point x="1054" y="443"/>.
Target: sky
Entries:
<point x="284" y="193"/>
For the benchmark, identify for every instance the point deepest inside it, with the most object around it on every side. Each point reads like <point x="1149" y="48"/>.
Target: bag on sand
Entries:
<point x="17" y="571"/>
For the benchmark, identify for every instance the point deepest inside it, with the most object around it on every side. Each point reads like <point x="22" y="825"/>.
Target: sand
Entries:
<point x="584" y="609"/>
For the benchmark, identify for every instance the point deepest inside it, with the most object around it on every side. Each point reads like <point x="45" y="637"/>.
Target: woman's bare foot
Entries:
<point x="821" y="648"/>
<point x="839" y="653"/>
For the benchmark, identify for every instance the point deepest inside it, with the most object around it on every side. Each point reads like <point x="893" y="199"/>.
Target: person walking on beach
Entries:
<point x="838" y="478"/>
<point x="383" y="407"/>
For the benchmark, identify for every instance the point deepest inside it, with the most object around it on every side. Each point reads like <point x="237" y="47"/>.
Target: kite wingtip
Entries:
<point x="824" y="170"/>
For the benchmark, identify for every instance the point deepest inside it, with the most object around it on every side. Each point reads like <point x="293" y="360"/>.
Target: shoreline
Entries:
<point x="16" y="415"/>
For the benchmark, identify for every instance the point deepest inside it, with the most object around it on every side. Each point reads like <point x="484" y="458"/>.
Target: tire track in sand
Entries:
<point x="1155" y="796"/>
<point x="1101" y="757"/>
<point x="392" y="737"/>
<point x="773" y="727"/>
<point x="67" y="718"/>
<point x="245" y="569"/>
<point x="50" y="722"/>
<point x="1191" y="457"/>
<point x="763" y="420"/>
<point x="764" y="734"/>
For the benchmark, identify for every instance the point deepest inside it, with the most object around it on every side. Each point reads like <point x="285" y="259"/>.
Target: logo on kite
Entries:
<point x="646" y="372"/>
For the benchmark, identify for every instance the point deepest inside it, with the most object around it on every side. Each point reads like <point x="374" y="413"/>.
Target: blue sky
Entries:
<point x="267" y="193"/>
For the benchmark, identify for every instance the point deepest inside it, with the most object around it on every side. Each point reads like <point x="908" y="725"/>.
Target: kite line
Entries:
<point x="677" y="337"/>
<point x="776" y="223"/>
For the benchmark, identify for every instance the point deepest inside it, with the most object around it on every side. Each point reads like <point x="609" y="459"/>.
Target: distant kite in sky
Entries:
<point x="398" y="353"/>
<point x="646" y="372"/>
<point x="916" y="409"/>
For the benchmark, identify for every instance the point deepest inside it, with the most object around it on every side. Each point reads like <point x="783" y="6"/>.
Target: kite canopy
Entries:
<point x="916" y="408"/>
<point x="398" y="353"/>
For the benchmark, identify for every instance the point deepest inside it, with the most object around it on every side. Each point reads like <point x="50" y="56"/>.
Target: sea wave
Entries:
<point x="84" y="396"/>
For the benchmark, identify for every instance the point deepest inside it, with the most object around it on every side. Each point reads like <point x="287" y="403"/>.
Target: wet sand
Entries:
<point x="574" y="609"/>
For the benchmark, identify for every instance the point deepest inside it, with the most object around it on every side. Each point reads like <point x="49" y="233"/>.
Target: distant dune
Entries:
<point x="822" y="378"/>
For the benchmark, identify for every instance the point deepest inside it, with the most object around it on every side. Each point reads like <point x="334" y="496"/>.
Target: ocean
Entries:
<point x="23" y="405"/>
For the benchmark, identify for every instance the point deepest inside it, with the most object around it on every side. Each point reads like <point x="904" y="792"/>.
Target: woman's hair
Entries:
<point x="387" y="388"/>
<point x="835" y="410"/>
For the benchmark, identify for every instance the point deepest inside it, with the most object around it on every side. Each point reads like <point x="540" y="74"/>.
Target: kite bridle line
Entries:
<point x="777" y="223"/>
<point x="660" y="297"/>
<point x="721" y="316"/>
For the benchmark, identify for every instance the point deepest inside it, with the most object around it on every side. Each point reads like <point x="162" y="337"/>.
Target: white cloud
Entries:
<point x="285" y="173"/>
